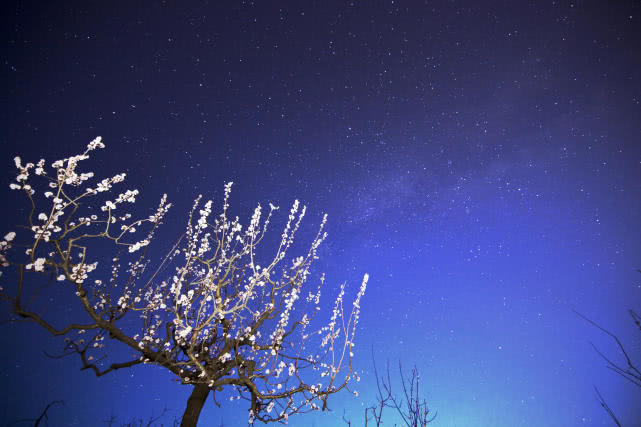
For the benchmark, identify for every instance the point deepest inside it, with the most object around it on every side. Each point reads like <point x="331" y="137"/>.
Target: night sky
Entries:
<point x="480" y="160"/>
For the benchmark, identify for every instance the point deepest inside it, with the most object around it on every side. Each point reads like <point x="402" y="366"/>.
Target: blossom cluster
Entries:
<point x="211" y="313"/>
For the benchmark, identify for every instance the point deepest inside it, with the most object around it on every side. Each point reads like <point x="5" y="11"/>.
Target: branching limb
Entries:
<point x="43" y="416"/>
<point x="630" y="372"/>
<point x="605" y="406"/>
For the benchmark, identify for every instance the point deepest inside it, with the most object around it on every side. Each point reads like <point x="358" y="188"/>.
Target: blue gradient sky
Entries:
<point x="480" y="160"/>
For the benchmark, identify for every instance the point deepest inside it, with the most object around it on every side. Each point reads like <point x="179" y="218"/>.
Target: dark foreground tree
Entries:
<point x="208" y="310"/>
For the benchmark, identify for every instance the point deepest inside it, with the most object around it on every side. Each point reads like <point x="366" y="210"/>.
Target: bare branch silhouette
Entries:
<point x="43" y="416"/>
<point x="606" y="407"/>
<point x="628" y="370"/>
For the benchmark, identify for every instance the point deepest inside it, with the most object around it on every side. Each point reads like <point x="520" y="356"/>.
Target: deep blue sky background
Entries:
<point x="481" y="160"/>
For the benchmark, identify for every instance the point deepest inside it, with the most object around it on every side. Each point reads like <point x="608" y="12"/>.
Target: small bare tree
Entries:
<point x="207" y="311"/>
<point x="411" y="407"/>
<point x="149" y="422"/>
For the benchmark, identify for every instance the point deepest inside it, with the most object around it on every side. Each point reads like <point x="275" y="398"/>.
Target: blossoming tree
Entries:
<point x="206" y="310"/>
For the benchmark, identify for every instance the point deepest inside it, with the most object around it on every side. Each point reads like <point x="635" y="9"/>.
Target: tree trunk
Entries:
<point x="195" y="404"/>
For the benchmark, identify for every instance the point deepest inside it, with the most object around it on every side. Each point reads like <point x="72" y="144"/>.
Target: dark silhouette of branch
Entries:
<point x="635" y="318"/>
<point x="43" y="415"/>
<point x="346" y="420"/>
<point x="628" y="370"/>
<point x="606" y="407"/>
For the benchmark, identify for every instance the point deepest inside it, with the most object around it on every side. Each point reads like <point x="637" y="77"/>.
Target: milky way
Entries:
<point x="480" y="160"/>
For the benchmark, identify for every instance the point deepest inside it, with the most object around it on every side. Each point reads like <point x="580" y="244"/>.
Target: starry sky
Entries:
<point x="480" y="160"/>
